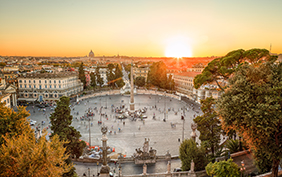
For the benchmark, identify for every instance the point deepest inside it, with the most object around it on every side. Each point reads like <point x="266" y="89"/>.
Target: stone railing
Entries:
<point x="171" y="174"/>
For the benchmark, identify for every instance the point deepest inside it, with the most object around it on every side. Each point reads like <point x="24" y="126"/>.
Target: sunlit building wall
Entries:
<point x="48" y="86"/>
<point x="184" y="86"/>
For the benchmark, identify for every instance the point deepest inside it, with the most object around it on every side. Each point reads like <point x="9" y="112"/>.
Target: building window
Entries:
<point x="8" y="100"/>
<point x="45" y="86"/>
<point x="50" y="82"/>
<point x="50" y="86"/>
<point x="59" y="81"/>
<point x="29" y="81"/>
<point x="59" y="86"/>
<point x="34" y="86"/>
<point x="54" y="86"/>
<point x="39" y="81"/>
<point x="33" y="81"/>
<point x="54" y="81"/>
<point x="29" y="86"/>
<point x="45" y="82"/>
<point x="40" y="87"/>
<point x="24" y="85"/>
<point x="20" y="81"/>
<point x="24" y="80"/>
<point x="20" y="85"/>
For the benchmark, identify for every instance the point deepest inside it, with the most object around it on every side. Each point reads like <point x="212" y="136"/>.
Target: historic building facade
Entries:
<point x="184" y="86"/>
<point x="141" y="71"/>
<point x="8" y="91"/>
<point x="48" y="86"/>
<point x="5" y="98"/>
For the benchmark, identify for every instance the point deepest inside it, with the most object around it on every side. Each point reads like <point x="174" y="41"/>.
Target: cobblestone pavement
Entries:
<point x="162" y="136"/>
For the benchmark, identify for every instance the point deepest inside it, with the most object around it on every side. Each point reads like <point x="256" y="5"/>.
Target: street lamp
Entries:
<point x="155" y="98"/>
<point x="182" y="118"/>
<point x="89" y="172"/>
<point x="89" y="134"/>
<point x="97" y="168"/>
<point x="243" y="168"/>
<point x="164" y="105"/>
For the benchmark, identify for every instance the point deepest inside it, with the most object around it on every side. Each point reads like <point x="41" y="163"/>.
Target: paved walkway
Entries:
<point x="162" y="136"/>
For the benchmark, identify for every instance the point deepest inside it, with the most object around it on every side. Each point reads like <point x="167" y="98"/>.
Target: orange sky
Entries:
<point x="138" y="28"/>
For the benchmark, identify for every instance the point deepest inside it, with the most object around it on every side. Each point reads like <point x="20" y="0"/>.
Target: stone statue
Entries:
<point x="145" y="155"/>
<point x="192" y="166"/>
<point x="146" y="145"/>
<point x="193" y="133"/>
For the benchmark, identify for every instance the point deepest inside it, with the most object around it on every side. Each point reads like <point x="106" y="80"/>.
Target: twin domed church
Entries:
<point x="91" y="54"/>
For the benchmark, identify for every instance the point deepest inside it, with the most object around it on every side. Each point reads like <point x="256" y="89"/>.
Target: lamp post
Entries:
<point x="164" y="105"/>
<point x="170" y="86"/>
<point x="97" y="168"/>
<point x="182" y="118"/>
<point x="243" y="168"/>
<point x="89" y="172"/>
<point x="155" y="98"/>
<point x="89" y="134"/>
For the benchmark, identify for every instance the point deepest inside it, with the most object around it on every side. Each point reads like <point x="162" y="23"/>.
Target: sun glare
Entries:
<point x="178" y="47"/>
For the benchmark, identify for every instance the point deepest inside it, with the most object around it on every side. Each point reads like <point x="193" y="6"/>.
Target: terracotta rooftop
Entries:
<point x="50" y="75"/>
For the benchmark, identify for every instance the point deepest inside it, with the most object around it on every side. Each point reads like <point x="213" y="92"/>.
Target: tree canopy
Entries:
<point x="140" y="81"/>
<point x="220" y="69"/>
<point x="252" y="106"/>
<point x="209" y="125"/>
<point x="157" y="76"/>
<point x="100" y="80"/>
<point x="93" y="80"/>
<point x="23" y="155"/>
<point x="81" y="75"/>
<point x="110" y="75"/>
<point x="114" y="77"/>
<point x="188" y="150"/>
<point x="60" y="125"/>
<point x="223" y="169"/>
<point x="118" y="76"/>
<point x="61" y="121"/>
<point x="13" y="123"/>
<point x="127" y="67"/>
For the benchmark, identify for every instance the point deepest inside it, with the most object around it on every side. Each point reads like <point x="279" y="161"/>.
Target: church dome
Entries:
<point x="91" y="54"/>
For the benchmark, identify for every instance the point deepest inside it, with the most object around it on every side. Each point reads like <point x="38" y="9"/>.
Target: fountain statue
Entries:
<point x="145" y="155"/>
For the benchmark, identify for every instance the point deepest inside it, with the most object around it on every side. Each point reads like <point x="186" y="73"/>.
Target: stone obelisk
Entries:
<point x="132" y="89"/>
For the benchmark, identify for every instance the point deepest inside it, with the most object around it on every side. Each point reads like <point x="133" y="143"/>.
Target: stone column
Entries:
<point x="15" y="98"/>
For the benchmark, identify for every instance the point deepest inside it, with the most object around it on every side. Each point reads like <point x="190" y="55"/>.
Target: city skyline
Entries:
<point x="180" y="28"/>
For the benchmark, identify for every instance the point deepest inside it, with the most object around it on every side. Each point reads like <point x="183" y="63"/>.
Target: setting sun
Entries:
<point x="178" y="47"/>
